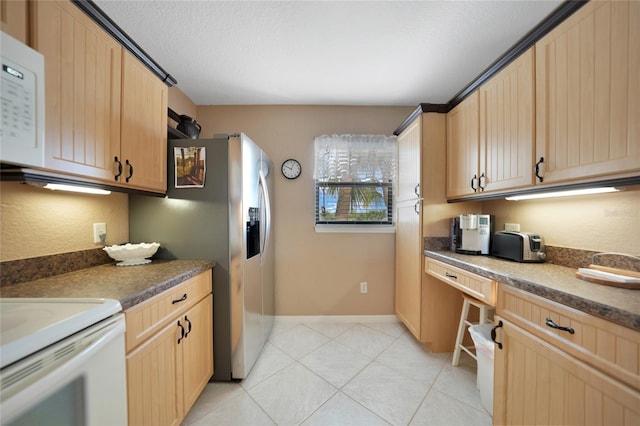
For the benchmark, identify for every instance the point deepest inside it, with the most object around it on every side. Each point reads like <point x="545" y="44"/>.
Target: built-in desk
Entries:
<point x="553" y="282"/>
<point x="481" y="288"/>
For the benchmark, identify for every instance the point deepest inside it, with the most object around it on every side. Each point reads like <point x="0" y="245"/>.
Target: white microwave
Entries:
<point x="22" y="106"/>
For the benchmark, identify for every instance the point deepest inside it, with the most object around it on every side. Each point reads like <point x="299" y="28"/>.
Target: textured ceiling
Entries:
<point x="325" y="52"/>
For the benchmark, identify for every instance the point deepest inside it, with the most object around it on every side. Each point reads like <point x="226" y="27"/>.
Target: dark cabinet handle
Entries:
<point x="480" y="181"/>
<point x="417" y="190"/>
<point x="538" y="169"/>
<point x="416" y="207"/>
<point x="189" y="326"/>
<point x="182" y="299"/>
<point x="119" y="173"/>
<point x="446" y="274"/>
<point x="552" y="324"/>
<point x="473" y="185"/>
<point x="182" y="335"/>
<point x="493" y="334"/>
<point x="130" y="175"/>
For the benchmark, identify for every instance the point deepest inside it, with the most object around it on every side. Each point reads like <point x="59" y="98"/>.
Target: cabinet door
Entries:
<point x="409" y="156"/>
<point x="463" y="147"/>
<point x="588" y="93"/>
<point x="408" y="270"/>
<point x="152" y="382"/>
<point x="197" y="351"/>
<point x="506" y="127"/>
<point x="409" y="228"/>
<point x="144" y="127"/>
<point x="14" y="19"/>
<point x="82" y="93"/>
<point x="536" y="383"/>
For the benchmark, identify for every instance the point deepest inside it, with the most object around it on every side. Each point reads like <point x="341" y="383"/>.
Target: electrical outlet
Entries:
<point x="363" y="287"/>
<point x="99" y="233"/>
<point x="512" y="227"/>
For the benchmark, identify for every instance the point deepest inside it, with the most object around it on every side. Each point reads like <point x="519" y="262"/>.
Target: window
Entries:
<point x="354" y="179"/>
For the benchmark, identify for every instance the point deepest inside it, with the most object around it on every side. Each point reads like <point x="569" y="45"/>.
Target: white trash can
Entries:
<point x="481" y="335"/>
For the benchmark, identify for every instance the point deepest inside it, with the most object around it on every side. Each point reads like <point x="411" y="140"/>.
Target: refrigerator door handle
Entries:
<point x="267" y="202"/>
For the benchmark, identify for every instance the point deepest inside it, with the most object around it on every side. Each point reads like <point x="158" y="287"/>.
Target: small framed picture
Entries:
<point x="190" y="166"/>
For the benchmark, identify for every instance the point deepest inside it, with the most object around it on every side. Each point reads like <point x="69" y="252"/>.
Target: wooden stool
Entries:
<point x="485" y="310"/>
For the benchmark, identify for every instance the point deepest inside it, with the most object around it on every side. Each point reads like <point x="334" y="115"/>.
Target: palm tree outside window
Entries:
<point x="354" y="179"/>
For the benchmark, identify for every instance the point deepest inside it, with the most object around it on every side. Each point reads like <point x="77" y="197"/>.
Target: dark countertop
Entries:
<point x="553" y="282"/>
<point x="128" y="284"/>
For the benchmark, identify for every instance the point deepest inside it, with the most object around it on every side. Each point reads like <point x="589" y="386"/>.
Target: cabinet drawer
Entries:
<point x="148" y="317"/>
<point x="604" y="345"/>
<point x="481" y="288"/>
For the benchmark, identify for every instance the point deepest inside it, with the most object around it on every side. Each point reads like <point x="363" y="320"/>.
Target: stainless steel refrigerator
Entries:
<point x="218" y="207"/>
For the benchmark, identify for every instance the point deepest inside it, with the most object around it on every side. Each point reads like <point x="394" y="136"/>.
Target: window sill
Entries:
<point x="356" y="229"/>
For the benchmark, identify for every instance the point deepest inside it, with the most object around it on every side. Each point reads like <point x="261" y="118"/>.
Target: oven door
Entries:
<point x="80" y="380"/>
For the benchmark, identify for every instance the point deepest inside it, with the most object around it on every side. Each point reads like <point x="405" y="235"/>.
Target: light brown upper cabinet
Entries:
<point x="144" y="127"/>
<point x="82" y="93"/>
<point x="105" y="111"/>
<point x="463" y="145"/>
<point x="577" y="115"/>
<point x="588" y="94"/>
<point x="14" y="19"/>
<point x="490" y="134"/>
<point x="507" y="126"/>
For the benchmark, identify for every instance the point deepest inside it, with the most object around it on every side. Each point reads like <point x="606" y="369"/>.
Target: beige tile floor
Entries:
<point x="345" y="371"/>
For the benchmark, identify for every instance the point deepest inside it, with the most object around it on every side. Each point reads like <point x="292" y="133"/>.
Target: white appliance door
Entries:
<point x="22" y="109"/>
<point x="80" y="380"/>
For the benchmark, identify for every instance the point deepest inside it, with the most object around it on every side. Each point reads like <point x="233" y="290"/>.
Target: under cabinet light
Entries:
<point x="74" y="188"/>
<point x="585" y="191"/>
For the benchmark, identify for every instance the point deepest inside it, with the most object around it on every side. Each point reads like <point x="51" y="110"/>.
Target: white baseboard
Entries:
<point x="297" y="319"/>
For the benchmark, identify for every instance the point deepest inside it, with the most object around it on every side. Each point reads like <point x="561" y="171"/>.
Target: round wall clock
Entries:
<point x="291" y="168"/>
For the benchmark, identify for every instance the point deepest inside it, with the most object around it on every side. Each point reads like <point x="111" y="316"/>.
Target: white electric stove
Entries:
<point x="28" y="325"/>
<point x="62" y="361"/>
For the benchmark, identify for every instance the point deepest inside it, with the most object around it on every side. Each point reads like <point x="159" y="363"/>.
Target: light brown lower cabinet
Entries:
<point x="196" y="355"/>
<point x="558" y="365"/>
<point x="536" y="383"/>
<point x="170" y="367"/>
<point x="152" y="376"/>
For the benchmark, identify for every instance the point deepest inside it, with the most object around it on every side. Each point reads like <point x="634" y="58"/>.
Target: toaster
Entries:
<point x="518" y="246"/>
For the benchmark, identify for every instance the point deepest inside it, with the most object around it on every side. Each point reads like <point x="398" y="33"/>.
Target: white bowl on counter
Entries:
<point x="132" y="254"/>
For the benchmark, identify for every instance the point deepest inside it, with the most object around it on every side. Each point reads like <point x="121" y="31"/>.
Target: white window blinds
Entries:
<point x="355" y="158"/>
<point x="354" y="179"/>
